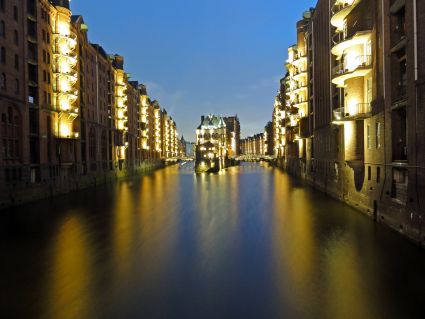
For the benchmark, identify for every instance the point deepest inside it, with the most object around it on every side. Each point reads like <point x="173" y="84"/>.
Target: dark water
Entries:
<point x="249" y="243"/>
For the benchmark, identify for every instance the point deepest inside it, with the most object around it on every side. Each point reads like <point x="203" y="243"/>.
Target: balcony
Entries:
<point x="359" y="66"/>
<point x="340" y="10"/>
<point x="357" y="33"/>
<point x="299" y="58"/>
<point x="298" y="72"/>
<point x="298" y="102"/>
<point x="299" y="86"/>
<point x="357" y="111"/>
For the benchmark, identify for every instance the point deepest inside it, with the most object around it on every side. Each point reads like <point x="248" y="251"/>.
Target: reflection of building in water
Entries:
<point x="211" y="148"/>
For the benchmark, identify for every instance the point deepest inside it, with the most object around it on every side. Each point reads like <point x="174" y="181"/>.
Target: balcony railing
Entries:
<point x="351" y="30"/>
<point x="299" y="85"/>
<point x="361" y="61"/>
<point x="353" y="112"/>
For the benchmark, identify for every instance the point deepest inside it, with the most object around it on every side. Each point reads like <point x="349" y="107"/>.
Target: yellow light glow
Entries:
<point x="64" y="130"/>
<point x="64" y="85"/>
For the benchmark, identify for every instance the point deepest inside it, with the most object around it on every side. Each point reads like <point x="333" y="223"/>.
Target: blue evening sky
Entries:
<point x="200" y="56"/>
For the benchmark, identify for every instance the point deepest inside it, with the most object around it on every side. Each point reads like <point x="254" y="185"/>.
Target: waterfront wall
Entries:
<point x="371" y="199"/>
<point x="70" y="180"/>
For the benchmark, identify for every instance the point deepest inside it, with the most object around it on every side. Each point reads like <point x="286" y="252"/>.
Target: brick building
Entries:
<point x="70" y="114"/>
<point x="360" y="125"/>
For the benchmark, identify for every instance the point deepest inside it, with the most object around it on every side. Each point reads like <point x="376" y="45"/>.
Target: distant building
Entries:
<point x="253" y="145"/>
<point x="233" y="135"/>
<point x="211" y="140"/>
<point x="269" y="139"/>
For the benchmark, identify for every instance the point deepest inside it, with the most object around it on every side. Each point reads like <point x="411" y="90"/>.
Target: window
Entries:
<point x="369" y="137"/>
<point x="378" y="134"/>
<point x="15" y="13"/>
<point x="369" y="173"/>
<point x="3" y="55"/>
<point x="17" y="86"/>
<point x="16" y="37"/>
<point x="378" y="174"/>
<point x="48" y="58"/>
<point x="16" y="62"/>
<point x="2" y="6"/>
<point x="3" y="81"/>
<point x="2" y="29"/>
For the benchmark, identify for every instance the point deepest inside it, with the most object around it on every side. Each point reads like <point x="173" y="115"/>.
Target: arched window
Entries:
<point x="104" y="146"/>
<point x="3" y="55"/>
<point x="92" y="144"/>
<point x="16" y="62"/>
<point x="16" y="37"/>
<point x="2" y="29"/>
<point x="3" y="81"/>
<point x="10" y="135"/>
<point x="15" y="13"/>
<point x="17" y="86"/>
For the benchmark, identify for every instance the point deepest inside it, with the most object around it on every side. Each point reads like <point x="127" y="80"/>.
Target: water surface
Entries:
<point x="247" y="243"/>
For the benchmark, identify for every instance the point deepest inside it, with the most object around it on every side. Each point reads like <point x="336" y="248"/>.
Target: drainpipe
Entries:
<point x="415" y="44"/>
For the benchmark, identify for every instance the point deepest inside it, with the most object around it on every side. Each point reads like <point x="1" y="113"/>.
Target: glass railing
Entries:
<point x="347" y="113"/>
<point x="361" y="61"/>
<point x="351" y="30"/>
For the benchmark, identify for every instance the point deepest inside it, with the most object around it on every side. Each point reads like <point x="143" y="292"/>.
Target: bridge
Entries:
<point x="254" y="158"/>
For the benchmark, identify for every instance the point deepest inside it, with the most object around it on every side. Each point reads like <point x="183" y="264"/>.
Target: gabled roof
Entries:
<point x="212" y="122"/>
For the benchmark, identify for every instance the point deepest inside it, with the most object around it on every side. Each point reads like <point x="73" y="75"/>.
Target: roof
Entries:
<point x="212" y="122"/>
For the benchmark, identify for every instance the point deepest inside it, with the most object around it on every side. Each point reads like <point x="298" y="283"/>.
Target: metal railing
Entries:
<point x="345" y="112"/>
<point x="357" y="26"/>
<point x="361" y="61"/>
<point x="337" y="6"/>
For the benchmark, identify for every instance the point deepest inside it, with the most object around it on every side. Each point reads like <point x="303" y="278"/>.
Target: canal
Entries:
<point x="247" y="243"/>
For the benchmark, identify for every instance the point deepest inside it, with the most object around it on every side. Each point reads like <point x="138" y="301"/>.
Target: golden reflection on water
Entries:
<point x="69" y="289"/>
<point x="345" y="284"/>
<point x="123" y="229"/>
<point x="304" y="262"/>
<point x="293" y="240"/>
<point x="157" y="216"/>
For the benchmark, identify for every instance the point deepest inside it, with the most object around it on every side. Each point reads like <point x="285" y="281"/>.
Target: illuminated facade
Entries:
<point x="233" y="135"/>
<point x="211" y="144"/>
<point x="352" y="107"/>
<point x="254" y="145"/>
<point x="70" y="115"/>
